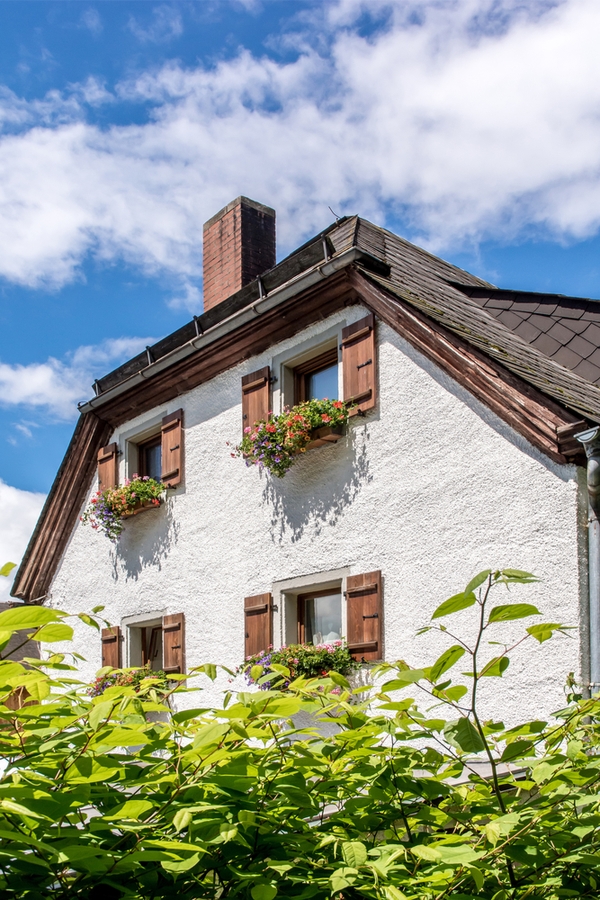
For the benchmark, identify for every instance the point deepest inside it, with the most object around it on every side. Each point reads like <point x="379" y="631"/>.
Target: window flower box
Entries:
<point x="322" y="437"/>
<point x="108" y="508"/>
<point x="141" y="506"/>
<point x="277" y="443"/>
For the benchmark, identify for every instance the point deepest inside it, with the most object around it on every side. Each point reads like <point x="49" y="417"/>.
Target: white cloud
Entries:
<point x="90" y="19"/>
<point x="165" y="25"/>
<point x="469" y="119"/>
<point x="20" y="511"/>
<point x="56" y="386"/>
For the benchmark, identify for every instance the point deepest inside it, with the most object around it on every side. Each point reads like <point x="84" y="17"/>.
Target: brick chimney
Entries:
<point x="239" y="245"/>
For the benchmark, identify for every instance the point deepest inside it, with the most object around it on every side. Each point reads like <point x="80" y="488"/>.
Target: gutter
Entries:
<point x="591" y="444"/>
<point x="264" y="304"/>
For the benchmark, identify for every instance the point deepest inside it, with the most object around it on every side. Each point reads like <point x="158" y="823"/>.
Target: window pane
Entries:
<point x="323" y="619"/>
<point x="323" y="385"/>
<point x="153" y="461"/>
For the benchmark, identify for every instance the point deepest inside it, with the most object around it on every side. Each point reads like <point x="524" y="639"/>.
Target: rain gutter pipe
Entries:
<point x="264" y="304"/>
<point x="591" y="444"/>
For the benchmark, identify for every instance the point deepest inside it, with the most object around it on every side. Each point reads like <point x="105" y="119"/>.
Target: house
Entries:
<point x="461" y="453"/>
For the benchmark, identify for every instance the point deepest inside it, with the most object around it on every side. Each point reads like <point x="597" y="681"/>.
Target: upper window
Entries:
<point x="150" y="458"/>
<point x="317" y="378"/>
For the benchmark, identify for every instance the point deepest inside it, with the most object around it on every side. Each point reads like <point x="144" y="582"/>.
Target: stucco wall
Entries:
<point x="430" y="487"/>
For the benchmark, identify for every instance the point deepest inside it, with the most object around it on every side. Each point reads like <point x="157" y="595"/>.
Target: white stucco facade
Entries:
<point x="430" y="487"/>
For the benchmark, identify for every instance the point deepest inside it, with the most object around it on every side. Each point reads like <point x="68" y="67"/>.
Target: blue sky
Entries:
<point x="468" y="126"/>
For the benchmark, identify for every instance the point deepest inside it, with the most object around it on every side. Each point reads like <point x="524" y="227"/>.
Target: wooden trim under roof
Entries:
<point x="542" y="421"/>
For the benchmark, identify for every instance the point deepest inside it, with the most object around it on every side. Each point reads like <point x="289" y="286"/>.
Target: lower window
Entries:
<point x="319" y="615"/>
<point x="146" y="645"/>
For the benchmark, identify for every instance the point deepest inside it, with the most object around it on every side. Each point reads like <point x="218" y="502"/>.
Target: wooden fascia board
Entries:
<point x="531" y="413"/>
<point x="62" y="507"/>
<point x="60" y="513"/>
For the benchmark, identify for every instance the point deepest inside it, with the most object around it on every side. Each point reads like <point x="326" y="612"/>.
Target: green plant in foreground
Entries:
<point x="98" y="801"/>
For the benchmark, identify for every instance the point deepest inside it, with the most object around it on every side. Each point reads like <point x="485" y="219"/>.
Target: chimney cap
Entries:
<point x="239" y="201"/>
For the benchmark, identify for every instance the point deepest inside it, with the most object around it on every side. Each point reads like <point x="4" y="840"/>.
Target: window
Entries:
<point x="146" y="645"/>
<point x="317" y="378"/>
<point x="319" y="615"/>
<point x="150" y="458"/>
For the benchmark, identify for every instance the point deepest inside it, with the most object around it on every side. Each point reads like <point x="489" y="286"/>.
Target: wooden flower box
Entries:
<point x="141" y="506"/>
<point x="328" y="434"/>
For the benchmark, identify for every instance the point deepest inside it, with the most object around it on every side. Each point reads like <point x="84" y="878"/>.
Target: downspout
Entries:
<point x="591" y="444"/>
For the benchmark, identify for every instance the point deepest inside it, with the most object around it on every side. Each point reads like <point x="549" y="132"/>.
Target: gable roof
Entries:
<point x="455" y="318"/>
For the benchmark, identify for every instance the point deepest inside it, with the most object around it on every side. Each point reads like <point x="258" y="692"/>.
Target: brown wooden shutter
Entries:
<point x="359" y="362"/>
<point x="108" y="467"/>
<point x="255" y="396"/>
<point x="257" y="622"/>
<point x="111" y="647"/>
<point x="172" y="448"/>
<point x="174" y="643"/>
<point x="364" y="613"/>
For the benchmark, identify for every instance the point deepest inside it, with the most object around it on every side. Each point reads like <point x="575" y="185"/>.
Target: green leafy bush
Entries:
<point x="98" y="801"/>
<point x="276" y="444"/>
<point x="134" y="677"/>
<point x="278" y="668"/>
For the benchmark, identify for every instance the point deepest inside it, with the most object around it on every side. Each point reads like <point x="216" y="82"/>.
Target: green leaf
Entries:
<point x="181" y="865"/>
<point x="7" y="568"/>
<point x="256" y="672"/>
<point x="516" y="576"/>
<point x="457" y="855"/>
<point x="454" y="604"/>
<point x="543" y="631"/>
<point x="97" y="609"/>
<point x="228" y="832"/>
<point x="19" y="809"/>
<point x="131" y="809"/>
<point x="354" y="853"/>
<point x="339" y="679"/>
<point x="496" y="667"/>
<point x="477" y="581"/>
<point x="464" y="735"/>
<point x="28" y="617"/>
<point x="55" y="632"/>
<point x="99" y="713"/>
<point x="89" y="621"/>
<point x="392" y="893"/>
<point x="446" y="661"/>
<point x="453" y="693"/>
<point x="263" y="891"/>
<point x="342" y="878"/>
<point x="424" y="851"/>
<point x="517" y="750"/>
<point x="182" y="819"/>
<point x="403" y="679"/>
<point x="509" y="611"/>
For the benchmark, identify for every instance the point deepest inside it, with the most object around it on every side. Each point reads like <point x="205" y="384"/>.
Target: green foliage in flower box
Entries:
<point x="276" y="444"/>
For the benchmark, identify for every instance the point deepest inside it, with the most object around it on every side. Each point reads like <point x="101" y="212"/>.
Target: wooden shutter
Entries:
<point x="255" y="396"/>
<point x="359" y="362"/>
<point x="257" y="622"/>
<point x="172" y="448"/>
<point x="174" y="643"/>
<point x="108" y="467"/>
<point x="111" y="647"/>
<point x="364" y="612"/>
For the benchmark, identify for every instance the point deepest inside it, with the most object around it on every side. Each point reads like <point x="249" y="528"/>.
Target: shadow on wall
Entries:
<point x="316" y="491"/>
<point x="146" y="540"/>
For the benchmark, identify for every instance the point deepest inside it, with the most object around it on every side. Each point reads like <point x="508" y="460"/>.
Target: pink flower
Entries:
<point x="247" y="429"/>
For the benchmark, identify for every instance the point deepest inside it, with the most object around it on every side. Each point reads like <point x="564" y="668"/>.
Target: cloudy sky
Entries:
<point x="469" y="126"/>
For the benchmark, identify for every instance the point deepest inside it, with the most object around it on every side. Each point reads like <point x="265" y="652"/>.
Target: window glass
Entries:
<point x="323" y="619"/>
<point x="323" y="385"/>
<point x="151" y="460"/>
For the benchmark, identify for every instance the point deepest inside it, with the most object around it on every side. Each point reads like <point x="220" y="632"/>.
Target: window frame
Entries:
<point x="312" y="366"/>
<point x="147" y="444"/>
